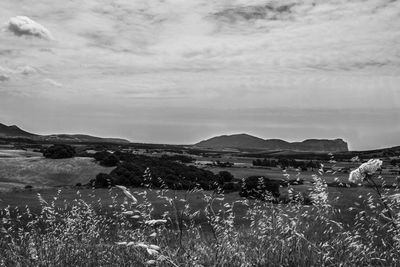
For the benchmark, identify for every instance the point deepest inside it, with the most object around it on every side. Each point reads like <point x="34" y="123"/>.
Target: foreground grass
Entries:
<point x="199" y="228"/>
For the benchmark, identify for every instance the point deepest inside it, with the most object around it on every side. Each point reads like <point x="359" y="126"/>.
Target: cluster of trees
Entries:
<point x="395" y="162"/>
<point x="163" y="172"/>
<point x="284" y="163"/>
<point x="59" y="151"/>
<point x="106" y="158"/>
<point x="181" y="158"/>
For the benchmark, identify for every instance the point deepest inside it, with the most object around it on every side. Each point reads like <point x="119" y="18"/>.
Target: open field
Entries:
<point x="86" y="226"/>
<point x="340" y="198"/>
<point x="106" y="228"/>
<point x="17" y="172"/>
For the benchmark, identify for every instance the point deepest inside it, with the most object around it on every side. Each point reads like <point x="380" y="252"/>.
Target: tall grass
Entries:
<point x="130" y="233"/>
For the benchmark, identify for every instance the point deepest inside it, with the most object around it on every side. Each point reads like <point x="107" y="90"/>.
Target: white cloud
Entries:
<point x="21" y="25"/>
<point x="208" y="53"/>
<point x="53" y="82"/>
<point x="26" y="70"/>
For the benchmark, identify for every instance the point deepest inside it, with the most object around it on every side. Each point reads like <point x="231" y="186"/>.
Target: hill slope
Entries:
<point x="16" y="132"/>
<point x="245" y="141"/>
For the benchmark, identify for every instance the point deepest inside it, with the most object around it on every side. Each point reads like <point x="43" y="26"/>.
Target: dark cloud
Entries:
<point x="272" y="11"/>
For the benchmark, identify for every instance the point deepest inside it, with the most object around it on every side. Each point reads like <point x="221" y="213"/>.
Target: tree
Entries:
<point x="110" y="161"/>
<point x="225" y="177"/>
<point x="59" y="151"/>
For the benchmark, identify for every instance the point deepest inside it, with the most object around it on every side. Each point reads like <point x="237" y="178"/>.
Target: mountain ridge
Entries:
<point x="246" y="141"/>
<point x="14" y="131"/>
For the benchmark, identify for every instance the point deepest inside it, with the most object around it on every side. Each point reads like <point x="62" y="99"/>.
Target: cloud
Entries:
<point x="4" y="77"/>
<point x="4" y="74"/>
<point x="22" y="25"/>
<point x="53" y="82"/>
<point x="26" y="70"/>
<point x="9" y="73"/>
<point x="205" y="53"/>
<point x="270" y="11"/>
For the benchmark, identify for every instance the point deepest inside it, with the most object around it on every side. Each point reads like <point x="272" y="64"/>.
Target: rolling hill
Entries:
<point x="13" y="131"/>
<point x="246" y="141"/>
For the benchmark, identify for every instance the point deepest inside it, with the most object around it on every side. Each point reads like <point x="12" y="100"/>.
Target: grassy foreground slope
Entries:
<point x="199" y="228"/>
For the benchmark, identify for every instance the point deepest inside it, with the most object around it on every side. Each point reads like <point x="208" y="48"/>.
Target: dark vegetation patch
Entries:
<point x="59" y="151"/>
<point x="145" y="171"/>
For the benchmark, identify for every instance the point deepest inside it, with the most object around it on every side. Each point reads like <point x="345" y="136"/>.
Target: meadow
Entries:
<point x="18" y="171"/>
<point x="80" y="226"/>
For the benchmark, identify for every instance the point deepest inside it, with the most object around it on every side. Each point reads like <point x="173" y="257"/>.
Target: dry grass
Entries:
<point x="42" y="172"/>
<point x="198" y="228"/>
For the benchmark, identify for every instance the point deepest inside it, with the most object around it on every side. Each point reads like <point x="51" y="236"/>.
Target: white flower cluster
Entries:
<point x="370" y="167"/>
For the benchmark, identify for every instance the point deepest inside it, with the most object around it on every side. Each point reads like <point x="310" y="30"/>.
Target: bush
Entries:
<point x="231" y="187"/>
<point x="99" y="156"/>
<point x="59" y="151"/>
<point x="225" y="177"/>
<point x="110" y="161"/>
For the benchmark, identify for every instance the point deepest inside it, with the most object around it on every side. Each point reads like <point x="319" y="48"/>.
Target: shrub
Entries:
<point x="225" y="177"/>
<point x="110" y="161"/>
<point x="59" y="151"/>
<point x="99" y="156"/>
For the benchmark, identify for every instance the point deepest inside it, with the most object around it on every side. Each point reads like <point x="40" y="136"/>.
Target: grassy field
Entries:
<point x="278" y="173"/>
<point x="178" y="228"/>
<point x="58" y="224"/>
<point x="17" y="172"/>
<point x="340" y="198"/>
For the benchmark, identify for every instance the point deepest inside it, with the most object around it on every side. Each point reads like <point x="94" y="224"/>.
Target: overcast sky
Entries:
<point x="179" y="71"/>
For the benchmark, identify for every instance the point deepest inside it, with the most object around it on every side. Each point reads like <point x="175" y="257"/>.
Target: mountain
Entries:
<point x="16" y="132"/>
<point x="246" y="141"/>
<point x="79" y="138"/>
<point x="233" y="141"/>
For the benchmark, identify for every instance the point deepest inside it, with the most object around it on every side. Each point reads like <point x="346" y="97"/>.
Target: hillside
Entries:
<point x="14" y="131"/>
<point x="10" y="132"/>
<point x="245" y="141"/>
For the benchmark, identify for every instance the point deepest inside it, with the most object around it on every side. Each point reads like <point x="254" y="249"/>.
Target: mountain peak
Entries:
<point x="13" y="131"/>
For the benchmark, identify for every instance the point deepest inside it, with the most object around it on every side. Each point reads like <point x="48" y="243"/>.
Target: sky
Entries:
<point x="181" y="71"/>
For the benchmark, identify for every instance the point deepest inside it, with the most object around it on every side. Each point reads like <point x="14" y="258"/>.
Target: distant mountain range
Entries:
<point x="246" y="141"/>
<point x="236" y="141"/>
<point x="14" y="131"/>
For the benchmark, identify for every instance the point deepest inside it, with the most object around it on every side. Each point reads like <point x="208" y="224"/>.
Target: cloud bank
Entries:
<point x="244" y="54"/>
